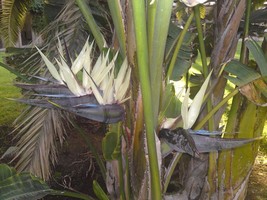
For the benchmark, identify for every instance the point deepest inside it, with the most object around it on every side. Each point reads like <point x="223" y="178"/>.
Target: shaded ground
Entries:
<point x="77" y="168"/>
<point x="257" y="189"/>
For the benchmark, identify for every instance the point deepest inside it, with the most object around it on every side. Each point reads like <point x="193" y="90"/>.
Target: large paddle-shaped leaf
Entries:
<point x="24" y="186"/>
<point x="21" y="186"/>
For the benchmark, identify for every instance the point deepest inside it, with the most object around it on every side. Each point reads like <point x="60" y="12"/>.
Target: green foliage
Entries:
<point x="37" y="6"/>
<point x="256" y="4"/>
<point x="171" y="104"/>
<point x="183" y="61"/>
<point x="101" y="195"/>
<point x="111" y="146"/>
<point x="12" y="19"/>
<point x="240" y="74"/>
<point x="259" y="56"/>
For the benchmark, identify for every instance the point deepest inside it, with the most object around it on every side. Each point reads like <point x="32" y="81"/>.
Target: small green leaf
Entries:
<point x="240" y="74"/>
<point x="111" y="146"/>
<point x="171" y="104"/>
<point x="99" y="192"/>
<point x="6" y="172"/>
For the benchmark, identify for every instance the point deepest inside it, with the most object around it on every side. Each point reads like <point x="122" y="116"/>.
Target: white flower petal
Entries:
<point x="192" y="3"/>
<point x="197" y="102"/>
<point x="96" y="92"/>
<point x="52" y="69"/>
<point x="81" y="58"/>
<point x="70" y="79"/>
<point x="121" y="91"/>
<point x="121" y="74"/>
<point x="109" y="91"/>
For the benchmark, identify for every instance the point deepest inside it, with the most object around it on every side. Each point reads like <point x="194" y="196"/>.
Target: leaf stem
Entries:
<point x="243" y="54"/>
<point x="201" y="41"/>
<point x="170" y="170"/>
<point x="203" y="57"/>
<point x="215" y="109"/>
<point x="94" y="28"/>
<point x="139" y="17"/>
<point x="116" y="14"/>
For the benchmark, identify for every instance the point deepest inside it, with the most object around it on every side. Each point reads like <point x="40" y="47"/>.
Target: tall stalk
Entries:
<point x="117" y="18"/>
<point x="86" y="11"/>
<point x="139" y="17"/>
<point x="212" y="155"/>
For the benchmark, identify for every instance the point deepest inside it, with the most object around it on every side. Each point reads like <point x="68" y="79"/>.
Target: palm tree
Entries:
<point x="143" y="35"/>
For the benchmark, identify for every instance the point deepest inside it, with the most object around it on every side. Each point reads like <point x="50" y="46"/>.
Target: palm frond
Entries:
<point x="13" y="15"/>
<point x="68" y="25"/>
<point x="38" y="130"/>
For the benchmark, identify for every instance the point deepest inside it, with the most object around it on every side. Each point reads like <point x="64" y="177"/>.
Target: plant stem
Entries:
<point x="203" y="56"/>
<point x="122" y="192"/>
<point x="170" y="170"/>
<point x="215" y="109"/>
<point x="245" y="33"/>
<point x="121" y="180"/>
<point x="139" y="17"/>
<point x="213" y="155"/>
<point x="151" y="16"/>
<point x="201" y="41"/>
<point x="94" y="28"/>
<point x="116" y="14"/>
<point x="178" y="46"/>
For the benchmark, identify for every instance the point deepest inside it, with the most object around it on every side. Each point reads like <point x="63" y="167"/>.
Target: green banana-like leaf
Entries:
<point x="240" y="74"/>
<point x="183" y="61"/>
<point x="21" y="186"/>
<point x="259" y="56"/>
<point x="171" y="104"/>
